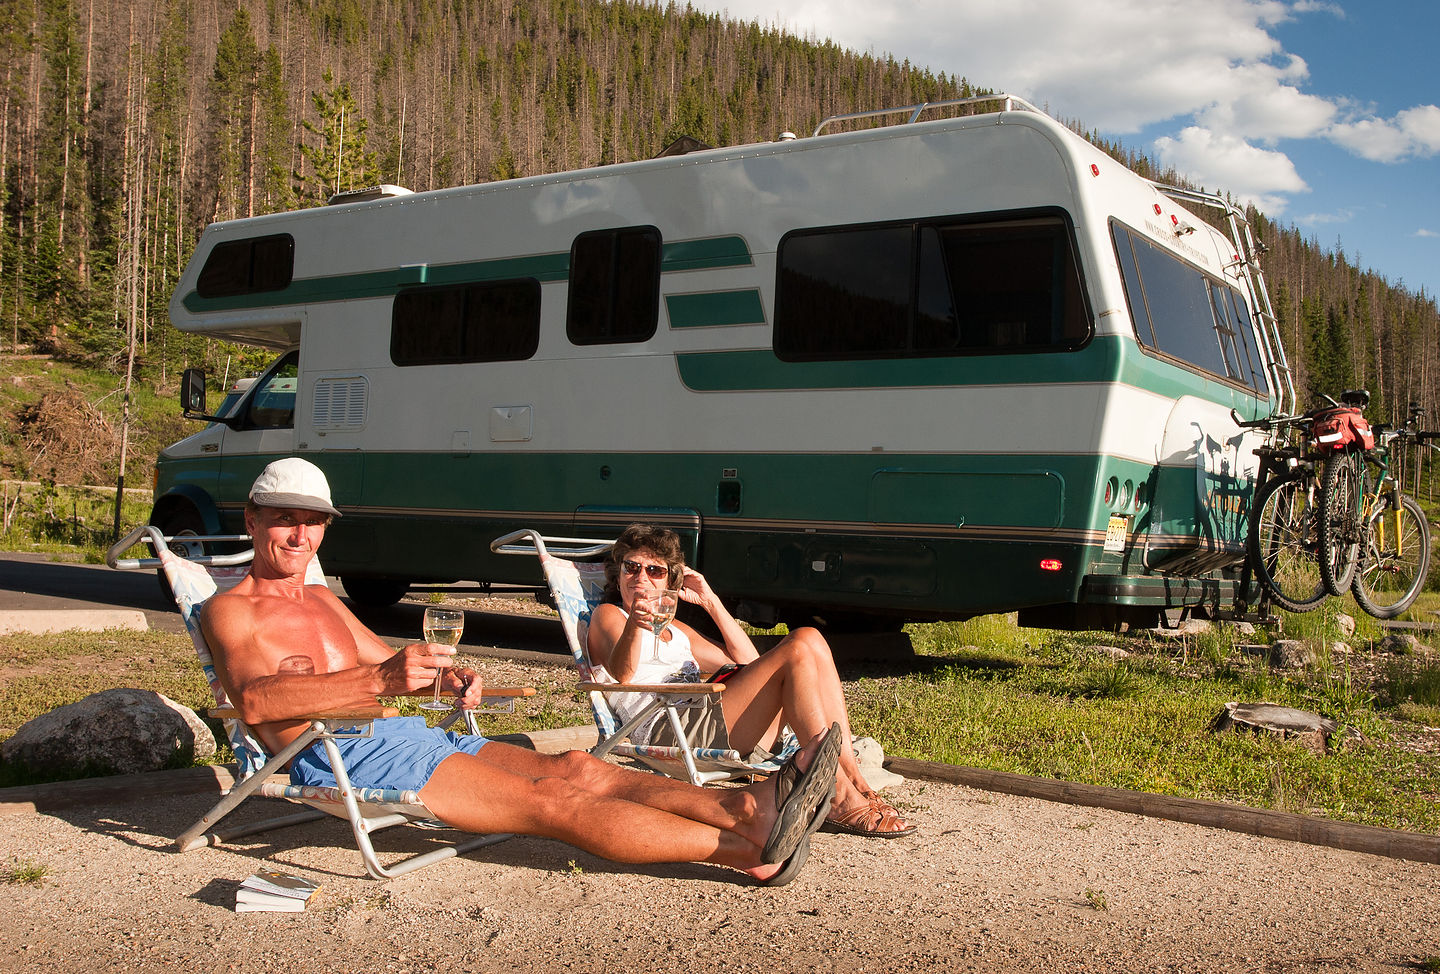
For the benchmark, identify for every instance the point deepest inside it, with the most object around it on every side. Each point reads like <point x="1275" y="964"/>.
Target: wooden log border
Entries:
<point x="1371" y="839"/>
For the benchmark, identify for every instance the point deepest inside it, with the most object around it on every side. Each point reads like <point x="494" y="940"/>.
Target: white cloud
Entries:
<point x="1116" y="65"/>
<point x="1316" y="219"/>
<point x="1254" y="175"/>
<point x="1422" y="232"/>
<point x="1412" y="133"/>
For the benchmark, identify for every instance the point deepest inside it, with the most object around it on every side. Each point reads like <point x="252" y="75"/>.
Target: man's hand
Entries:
<point x="468" y="685"/>
<point x="413" y="668"/>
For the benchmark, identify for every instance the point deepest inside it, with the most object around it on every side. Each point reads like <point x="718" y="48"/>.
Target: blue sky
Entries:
<point x="1325" y="113"/>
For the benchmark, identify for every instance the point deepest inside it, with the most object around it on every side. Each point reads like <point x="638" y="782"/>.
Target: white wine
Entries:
<point x="444" y="635"/>
<point x="660" y="620"/>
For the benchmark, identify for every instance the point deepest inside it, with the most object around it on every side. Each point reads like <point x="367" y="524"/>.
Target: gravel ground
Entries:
<point x="990" y="883"/>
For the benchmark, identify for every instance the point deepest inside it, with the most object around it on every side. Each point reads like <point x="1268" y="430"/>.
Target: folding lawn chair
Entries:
<point x="367" y="809"/>
<point x="578" y="587"/>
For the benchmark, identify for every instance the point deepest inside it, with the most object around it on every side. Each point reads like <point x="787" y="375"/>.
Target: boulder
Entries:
<point x="1186" y="629"/>
<point x="1401" y="644"/>
<point x="1310" y="730"/>
<point x="115" y="731"/>
<point x="1346" y="625"/>
<point x="1291" y="654"/>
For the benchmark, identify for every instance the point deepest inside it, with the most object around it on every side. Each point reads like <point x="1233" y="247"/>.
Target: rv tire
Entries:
<point x="175" y="522"/>
<point x="374" y="592"/>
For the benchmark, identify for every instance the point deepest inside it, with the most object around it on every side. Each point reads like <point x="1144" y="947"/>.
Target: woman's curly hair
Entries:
<point x="660" y="542"/>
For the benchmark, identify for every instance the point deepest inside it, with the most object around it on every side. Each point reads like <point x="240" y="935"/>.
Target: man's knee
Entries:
<point x="580" y="768"/>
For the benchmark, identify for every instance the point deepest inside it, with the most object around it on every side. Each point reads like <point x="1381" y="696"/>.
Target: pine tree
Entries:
<point x="341" y="159"/>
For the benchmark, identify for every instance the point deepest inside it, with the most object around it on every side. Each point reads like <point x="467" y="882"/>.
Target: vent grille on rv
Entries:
<point x="341" y="404"/>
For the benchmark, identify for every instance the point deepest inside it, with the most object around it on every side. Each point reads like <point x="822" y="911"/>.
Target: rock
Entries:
<point x="1246" y="629"/>
<point x="116" y="731"/>
<point x="1113" y="652"/>
<point x="1291" y="654"/>
<point x="1190" y="627"/>
<point x="1401" y="644"/>
<point x="1311" y="730"/>
<point x="1346" y="625"/>
<point x="1338" y="648"/>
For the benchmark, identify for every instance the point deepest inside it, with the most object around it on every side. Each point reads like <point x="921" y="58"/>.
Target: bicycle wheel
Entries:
<point x="1340" y="521"/>
<point x="1284" y="544"/>
<point x="1394" y="559"/>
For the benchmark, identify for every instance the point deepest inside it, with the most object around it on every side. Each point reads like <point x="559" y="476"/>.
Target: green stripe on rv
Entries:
<point x="1106" y="359"/>
<point x="685" y="255"/>
<point x="1021" y="495"/>
<point x="715" y="308"/>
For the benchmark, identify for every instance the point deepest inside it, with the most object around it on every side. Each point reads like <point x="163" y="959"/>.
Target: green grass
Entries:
<point x="69" y="520"/>
<point x="24" y="872"/>
<point x="1045" y="703"/>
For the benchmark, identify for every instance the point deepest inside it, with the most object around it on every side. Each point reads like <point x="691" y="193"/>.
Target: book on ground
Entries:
<point x="252" y="901"/>
<point x="269" y="890"/>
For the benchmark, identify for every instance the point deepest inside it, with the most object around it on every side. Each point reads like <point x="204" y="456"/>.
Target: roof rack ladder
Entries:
<point x="1246" y="260"/>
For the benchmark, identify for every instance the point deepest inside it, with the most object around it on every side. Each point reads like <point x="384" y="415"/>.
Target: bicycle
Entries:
<point x="1393" y="556"/>
<point x="1283" y="541"/>
<point x="1343" y="436"/>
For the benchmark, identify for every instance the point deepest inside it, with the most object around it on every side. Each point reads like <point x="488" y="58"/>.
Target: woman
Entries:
<point x="794" y="683"/>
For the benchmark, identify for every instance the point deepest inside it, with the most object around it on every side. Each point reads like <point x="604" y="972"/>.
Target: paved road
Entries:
<point x="34" y="582"/>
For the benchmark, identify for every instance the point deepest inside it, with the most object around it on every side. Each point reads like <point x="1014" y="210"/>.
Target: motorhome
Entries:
<point x="925" y="370"/>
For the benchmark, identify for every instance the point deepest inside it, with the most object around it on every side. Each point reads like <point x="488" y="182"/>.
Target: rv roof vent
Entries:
<point x="787" y="136"/>
<point x="682" y="145"/>
<point x="381" y="192"/>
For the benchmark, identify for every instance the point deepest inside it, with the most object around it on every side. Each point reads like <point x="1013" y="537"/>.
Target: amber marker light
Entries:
<point x="1050" y="565"/>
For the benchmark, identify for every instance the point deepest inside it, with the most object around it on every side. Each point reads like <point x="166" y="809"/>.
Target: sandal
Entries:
<point x="876" y="819"/>
<point x="800" y="797"/>
<point x="793" y="865"/>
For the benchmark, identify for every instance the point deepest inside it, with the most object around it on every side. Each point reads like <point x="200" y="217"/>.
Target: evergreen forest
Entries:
<point x="129" y="125"/>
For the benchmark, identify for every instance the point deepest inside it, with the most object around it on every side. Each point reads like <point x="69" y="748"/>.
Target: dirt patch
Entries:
<point x="991" y="883"/>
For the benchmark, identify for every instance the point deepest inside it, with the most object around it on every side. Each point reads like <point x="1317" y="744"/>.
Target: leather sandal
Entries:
<point x="876" y="819"/>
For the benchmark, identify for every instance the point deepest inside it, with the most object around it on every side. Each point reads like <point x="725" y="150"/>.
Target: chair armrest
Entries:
<point x="352" y="713"/>
<point x="488" y="692"/>
<point x="672" y="689"/>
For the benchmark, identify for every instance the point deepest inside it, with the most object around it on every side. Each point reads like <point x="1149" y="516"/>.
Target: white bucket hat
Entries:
<point x="293" y="482"/>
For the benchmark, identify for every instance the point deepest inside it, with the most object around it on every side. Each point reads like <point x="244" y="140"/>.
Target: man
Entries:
<point x="284" y="649"/>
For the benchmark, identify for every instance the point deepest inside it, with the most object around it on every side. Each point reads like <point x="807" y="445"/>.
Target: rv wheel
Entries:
<point x="175" y="524"/>
<point x="373" y="592"/>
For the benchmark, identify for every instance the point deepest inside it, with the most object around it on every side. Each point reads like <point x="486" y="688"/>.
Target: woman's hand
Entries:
<point x="697" y="591"/>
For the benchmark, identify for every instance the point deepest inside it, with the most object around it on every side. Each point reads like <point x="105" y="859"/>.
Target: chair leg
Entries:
<point x="195" y="836"/>
<point x="362" y="829"/>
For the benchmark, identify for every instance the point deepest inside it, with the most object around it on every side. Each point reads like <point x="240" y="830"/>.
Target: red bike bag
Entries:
<point x="1340" y="429"/>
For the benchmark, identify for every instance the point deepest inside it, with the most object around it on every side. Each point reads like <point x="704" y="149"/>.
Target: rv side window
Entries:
<point x="1245" y="332"/>
<point x="942" y="287"/>
<point x="250" y="266"/>
<point x="1183" y="313"/>
<point x="614" y="286"/>
<point x="272" y="399"/>
<point x="497" y="321"/>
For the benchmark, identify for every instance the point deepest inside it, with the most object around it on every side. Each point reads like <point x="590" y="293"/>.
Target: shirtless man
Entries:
<point x="283" y="649"/>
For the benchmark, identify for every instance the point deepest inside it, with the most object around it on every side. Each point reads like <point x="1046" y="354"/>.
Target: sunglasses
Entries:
<point x="633" y="568"/>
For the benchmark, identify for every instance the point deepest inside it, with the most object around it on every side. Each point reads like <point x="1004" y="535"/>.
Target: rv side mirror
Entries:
<point x="192" y="393"/>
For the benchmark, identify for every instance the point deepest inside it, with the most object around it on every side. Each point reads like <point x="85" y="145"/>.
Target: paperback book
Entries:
<point x="273" y="891"/>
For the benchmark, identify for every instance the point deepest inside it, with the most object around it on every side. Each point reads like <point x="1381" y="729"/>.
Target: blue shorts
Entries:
<point x="401" y="753"/>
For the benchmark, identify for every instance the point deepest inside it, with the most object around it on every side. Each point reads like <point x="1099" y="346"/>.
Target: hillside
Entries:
<point x="128" y="126"/>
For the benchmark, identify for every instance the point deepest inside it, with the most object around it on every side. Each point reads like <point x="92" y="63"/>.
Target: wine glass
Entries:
<point x="442" y="626"/>
<point x="662" y="613"/>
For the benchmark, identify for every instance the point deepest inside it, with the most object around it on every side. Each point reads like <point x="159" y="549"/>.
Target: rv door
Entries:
<point x="261" y="431"/>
